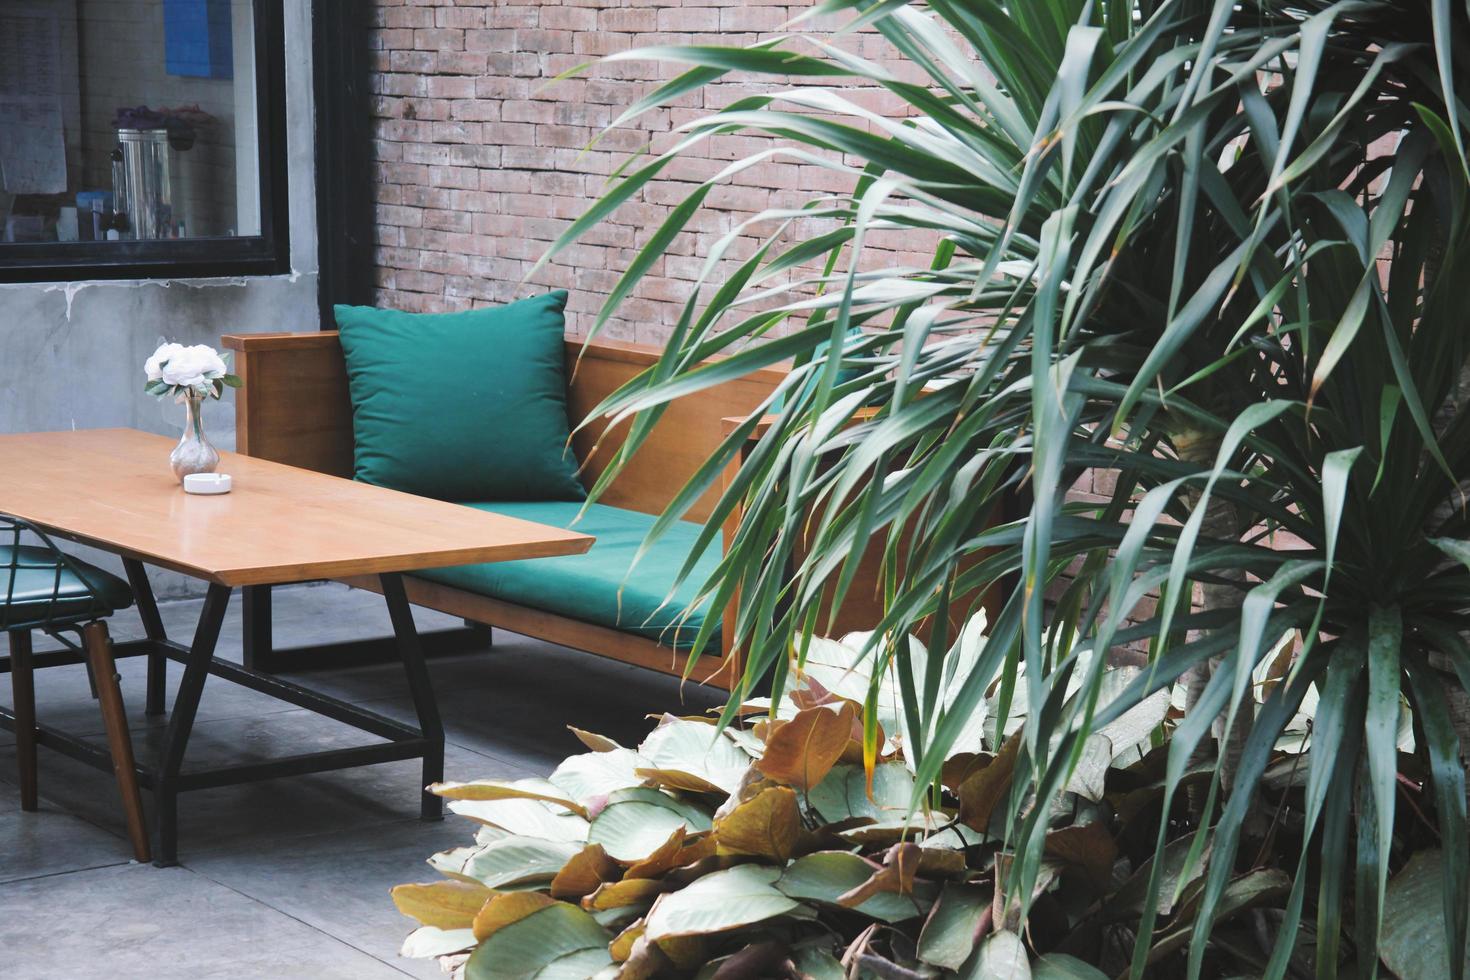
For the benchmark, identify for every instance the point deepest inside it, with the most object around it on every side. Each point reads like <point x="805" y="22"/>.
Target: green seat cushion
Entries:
<point x="462" y="406"/>
<point x="586" y="587"/>
<point x="37" y="597"/>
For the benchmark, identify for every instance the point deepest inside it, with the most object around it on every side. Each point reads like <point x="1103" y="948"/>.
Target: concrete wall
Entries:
<point x="71" y="354"/>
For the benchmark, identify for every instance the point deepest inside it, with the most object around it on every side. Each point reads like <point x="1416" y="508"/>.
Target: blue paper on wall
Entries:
<point x="197" y="38"/>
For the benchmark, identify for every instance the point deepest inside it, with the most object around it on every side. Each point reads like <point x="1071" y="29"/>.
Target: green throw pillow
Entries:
<point x="462" y="406"/>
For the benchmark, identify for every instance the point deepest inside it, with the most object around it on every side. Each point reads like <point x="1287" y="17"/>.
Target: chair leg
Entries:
<point x="22" y="685"/>
<point x="115" y="720"/>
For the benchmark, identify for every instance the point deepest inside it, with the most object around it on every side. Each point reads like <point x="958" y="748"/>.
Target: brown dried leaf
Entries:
<point x="900" y="865"/>
<point x="675" y="779"/>
<point x="661" y="860"/>
<point x="587" y="869"/>
<point x="669" y="858"/>
<point x="873" y="965"/>
<point x="508" y="908"/>
<point x="678" y="955"/>
<point x="941" y="862"/>
<point x="981" y="792"/>
<point x="1089" y="847"/>
<point x="858" y="946"/>
<point x="958" y="768"/>
<point x="706" y="863"/>
<point x="644" y="961"/>
<point x="490" y="790"/>
<point x="752" y="784"/>
<point x="622" y="946"/>
<point x="755" y="962"/>
<point x="767" y="826"/>
<point x="594" y="741"/>
<point x="442" y="904"/>
<point x="852" y="754"/>
<point x="621" y="894"/>
<point x="812" y="694"/>
<point x="875" y="835"/>
<point x="687" y="953"/>
<point x="801" y="752"/>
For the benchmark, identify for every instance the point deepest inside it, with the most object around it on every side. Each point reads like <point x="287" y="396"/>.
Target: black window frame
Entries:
<point x="268" y="253"/>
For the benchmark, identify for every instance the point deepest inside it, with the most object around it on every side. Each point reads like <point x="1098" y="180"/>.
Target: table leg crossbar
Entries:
<point x="167" y="777"/>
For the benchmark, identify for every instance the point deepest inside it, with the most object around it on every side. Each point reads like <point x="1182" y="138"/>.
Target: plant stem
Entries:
<point x="1221" y="523"/>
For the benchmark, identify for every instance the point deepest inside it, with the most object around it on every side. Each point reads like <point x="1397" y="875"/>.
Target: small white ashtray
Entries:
<point x="207" y="483"/>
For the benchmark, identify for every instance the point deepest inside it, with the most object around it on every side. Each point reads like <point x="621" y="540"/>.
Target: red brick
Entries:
<point x="391" y="40"/>
<point x="447" y="220"/>
<point x="566" y="18"/>
<point x="689" y="18"/>
<point x="478" y="110"/>
<point x="438" y="39"/>
<point x="424" y="196"/>
<point x="409" y="17"/>
<point x="426" y="153"/>
<point x="462" y="63"/>
<point x="496" y="39"/>
<point x="417" y="62"/>
<point x="445" y="87"/>
<point x="482" y="157"/>
<point x="526" y="15"/>
<point x="744" y="18"/>
<point x="461" y="177"/>
<point x="461" y="16"/>
<point x="472" y="155"/>
<point x="627" y="20"/>
<point x="456" y="132"/>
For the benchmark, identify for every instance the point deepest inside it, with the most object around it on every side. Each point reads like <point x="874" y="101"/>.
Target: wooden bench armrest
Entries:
<point x="253" y="342"/>
<point x="292" y="406"/>
<point x="733" y="422"/>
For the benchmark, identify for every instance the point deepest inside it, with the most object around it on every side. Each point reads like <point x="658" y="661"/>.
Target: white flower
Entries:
<point x="153" y="367"/>
<point x="191" y="367"/>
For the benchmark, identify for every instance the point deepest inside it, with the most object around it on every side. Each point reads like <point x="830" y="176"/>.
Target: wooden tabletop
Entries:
<point x="112" y="488"/>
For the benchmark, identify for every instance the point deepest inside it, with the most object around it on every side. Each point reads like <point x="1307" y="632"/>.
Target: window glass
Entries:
<point x="127" y="121"/>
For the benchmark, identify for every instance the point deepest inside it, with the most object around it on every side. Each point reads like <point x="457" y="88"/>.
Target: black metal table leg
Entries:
<point x="153" y="628"/>
<point x="176" y="740"/>
<point x="263" y="657"/>
<point x="431" y="807"/>
<point x="167" y="779"/>
<point x="255" y="610"/>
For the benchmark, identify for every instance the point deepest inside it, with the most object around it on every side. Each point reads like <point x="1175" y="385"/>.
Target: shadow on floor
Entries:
<point x="285" y="878"/>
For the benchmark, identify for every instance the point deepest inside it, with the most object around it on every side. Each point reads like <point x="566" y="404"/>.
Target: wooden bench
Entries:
<point x="293" y="408"/>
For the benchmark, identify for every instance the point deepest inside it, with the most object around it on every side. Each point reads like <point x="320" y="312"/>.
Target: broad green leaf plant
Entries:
<point x="765" y="849"/>
<point x="1214" y="250"/>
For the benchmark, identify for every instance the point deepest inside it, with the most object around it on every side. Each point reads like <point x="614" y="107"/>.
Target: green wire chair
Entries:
<point x="42" y="588"/>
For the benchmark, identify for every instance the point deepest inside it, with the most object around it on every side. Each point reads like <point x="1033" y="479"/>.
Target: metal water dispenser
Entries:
<point x="142" y="183"/>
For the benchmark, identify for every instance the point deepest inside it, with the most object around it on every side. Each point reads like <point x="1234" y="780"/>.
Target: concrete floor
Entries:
<point x="287" y="878"/>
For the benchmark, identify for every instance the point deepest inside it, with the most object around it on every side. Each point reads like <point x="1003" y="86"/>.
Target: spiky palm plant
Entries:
<point x="1217" y="249"/>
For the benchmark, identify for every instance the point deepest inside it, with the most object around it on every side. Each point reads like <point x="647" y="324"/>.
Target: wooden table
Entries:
<point x="112" y="489"/>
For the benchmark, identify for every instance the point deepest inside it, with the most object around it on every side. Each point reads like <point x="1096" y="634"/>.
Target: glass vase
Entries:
<point x="193" y="454"/>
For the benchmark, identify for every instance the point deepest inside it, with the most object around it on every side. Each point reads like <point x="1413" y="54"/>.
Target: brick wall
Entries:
<point x="481" y="162"/>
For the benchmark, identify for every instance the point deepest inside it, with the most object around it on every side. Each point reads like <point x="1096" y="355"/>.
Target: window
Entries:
<point x="141" y="138"/>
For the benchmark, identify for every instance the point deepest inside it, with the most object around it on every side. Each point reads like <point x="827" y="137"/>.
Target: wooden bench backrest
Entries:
<point x="293" y="408"/>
